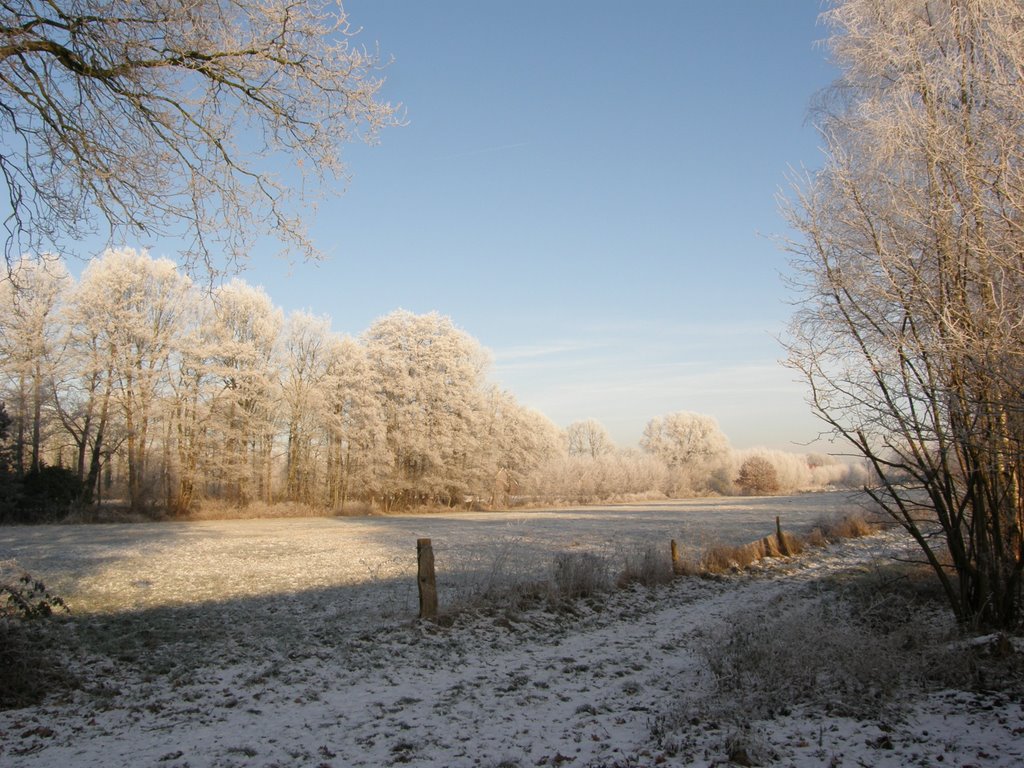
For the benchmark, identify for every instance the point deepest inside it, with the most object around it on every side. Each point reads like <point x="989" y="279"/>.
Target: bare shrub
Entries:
<point x="500" y="581"/>
<point x="28" y="671"/>
<point x="481" y="581"/>
<point x="29" y="668"/>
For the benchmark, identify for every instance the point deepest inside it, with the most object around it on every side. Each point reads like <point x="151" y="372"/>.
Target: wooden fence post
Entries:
<point x="426" y="579"/>
<point x="779" y="537"/>
<point x="677" y="565"/>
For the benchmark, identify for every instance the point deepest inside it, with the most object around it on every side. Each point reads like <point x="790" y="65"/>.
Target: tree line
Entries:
<point x="141" y="386"/>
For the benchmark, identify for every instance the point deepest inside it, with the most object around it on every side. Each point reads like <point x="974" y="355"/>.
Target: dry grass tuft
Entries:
<point x="851" y="526"/>
<point x="649" y="566"/>
<point x="214" y="509"/>
<point x="794" y="545"/>
<point x="723" y="559"/>
<point x="576" y="575"/>
<point x="816" y="538"/>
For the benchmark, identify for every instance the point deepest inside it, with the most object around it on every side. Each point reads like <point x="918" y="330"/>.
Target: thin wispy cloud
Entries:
<point x="546" y="351"/>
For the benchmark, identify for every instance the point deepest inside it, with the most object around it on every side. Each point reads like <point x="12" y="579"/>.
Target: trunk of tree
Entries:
<point x="37" y="414"/>
<point x="19" y="441"/>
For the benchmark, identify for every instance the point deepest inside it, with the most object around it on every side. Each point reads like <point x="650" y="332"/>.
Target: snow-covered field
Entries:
<point x="370" y="563"/>
<point x="294" y="643"/>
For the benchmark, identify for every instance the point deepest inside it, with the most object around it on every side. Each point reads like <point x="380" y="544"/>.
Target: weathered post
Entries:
<point x="426" y="579"/>
<point x="677" y="564"/>
<point x="779" y="537"/>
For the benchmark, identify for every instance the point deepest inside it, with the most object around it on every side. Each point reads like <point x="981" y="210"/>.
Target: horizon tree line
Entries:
<point x="149" y="389"/>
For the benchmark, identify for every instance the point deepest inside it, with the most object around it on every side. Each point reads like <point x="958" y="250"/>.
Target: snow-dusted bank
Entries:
<point x="639" y="676"/>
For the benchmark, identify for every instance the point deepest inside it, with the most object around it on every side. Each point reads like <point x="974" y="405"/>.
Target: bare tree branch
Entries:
<point x="167" y="117"/>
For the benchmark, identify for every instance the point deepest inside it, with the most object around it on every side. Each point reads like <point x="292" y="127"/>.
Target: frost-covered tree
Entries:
<point x="757" y="476"/>
<point x="620" y="475"/>
<point x="243" y="330"/>
<point x="515" y="443"/>
<point x="588" y="438"/>
<point x="305" y="393"/>
<point x="130" y="308"/>
<point x="912" y="280"/>
<point x="83" y="394"/>
<point x="153" y="116"/>
<point x="692" y="446"/>
<point x="30" y="300"/>
<point x="189" y="408"/>
<point x="684" y="437"/>
<point x="428" y="376"/>
<point x="356" y="458"/>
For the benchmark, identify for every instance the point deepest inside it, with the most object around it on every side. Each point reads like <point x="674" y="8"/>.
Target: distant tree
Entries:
<point x="912" y="281"/>
<point x="305" y="392"/>
<point x="683" y="437"/>
<point x="131" y="309"/>
<point x="585" y="479"/>
<point x="588" y="438"/>
<point x="758" y="476"/>
<point x="356" y="456"/>
<point x="143" y="115"/>
<point x="516" y="442"/>
<point x="691" y="444"/>
<point x="30" y="329"/>
<point x="243" y="331"/>
<point x="428" y="376"/>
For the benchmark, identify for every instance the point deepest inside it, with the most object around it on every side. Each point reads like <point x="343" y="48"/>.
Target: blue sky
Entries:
<point x="587" y="188"/>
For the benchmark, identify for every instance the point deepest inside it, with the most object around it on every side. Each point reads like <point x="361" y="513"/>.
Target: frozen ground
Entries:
<point x="291" y="643"/>
<point x="370" y="562"/>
